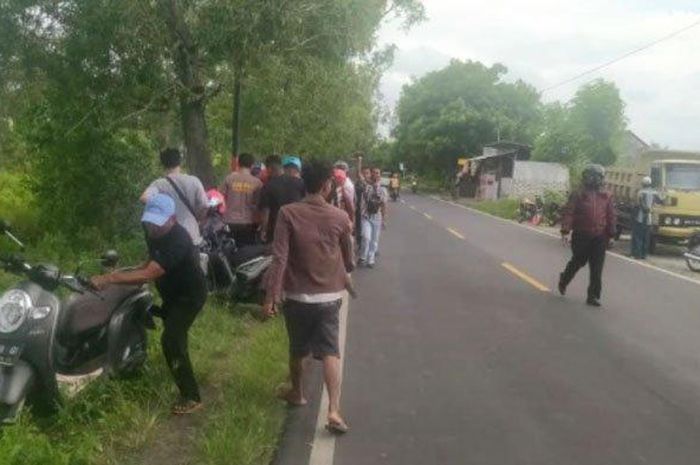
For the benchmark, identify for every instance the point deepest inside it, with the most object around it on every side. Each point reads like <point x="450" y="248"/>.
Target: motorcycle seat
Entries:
<point x="244" y="254"/>
<point x="86" y="313"/>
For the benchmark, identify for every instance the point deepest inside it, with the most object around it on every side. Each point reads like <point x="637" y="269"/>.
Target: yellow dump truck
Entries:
<point x="676" y="177"/>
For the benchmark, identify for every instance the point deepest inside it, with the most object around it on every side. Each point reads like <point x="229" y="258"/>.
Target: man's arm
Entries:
<point x="611" y="218"/>
<point x="567" y="215"/>
<point x="150" y="190"/>
<point x="148" y="273"/>
<point x="201" y="202"/>
<point x="274" y="280"/>
<point x="347" y="248"/>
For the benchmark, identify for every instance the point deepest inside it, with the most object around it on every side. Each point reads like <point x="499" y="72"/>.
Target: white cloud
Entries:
<point x="548" y="41"/>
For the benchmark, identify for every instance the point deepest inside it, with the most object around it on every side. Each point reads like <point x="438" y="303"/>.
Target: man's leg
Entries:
<point x="299" y="324"/>
<point x="636" y="239"/>
<point x="579" y="249"/>
<point x="325" y="346"/>
<point x="598" y="248"/>
<point x="376" y="224"/>
<point x="178" y="320"/>
<point x="331" y="374"/>
<point x="646" y="239"/>
<point x="366" y="239"/>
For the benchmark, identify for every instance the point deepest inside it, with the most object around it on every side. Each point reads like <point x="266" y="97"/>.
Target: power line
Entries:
<point x="622" y="57"/>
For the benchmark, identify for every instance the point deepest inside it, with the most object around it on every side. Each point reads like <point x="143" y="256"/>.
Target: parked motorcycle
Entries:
<point x="231" y="270"/>
<point x="692" y="255"/>
<point x="42" y="335"/>
<point x="531" y="212"/>
<point x="552" y="213"/>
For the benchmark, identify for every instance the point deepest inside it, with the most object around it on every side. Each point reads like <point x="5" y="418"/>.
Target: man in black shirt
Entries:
<point x="175" y="268"/>
<point x="278" y="192"/>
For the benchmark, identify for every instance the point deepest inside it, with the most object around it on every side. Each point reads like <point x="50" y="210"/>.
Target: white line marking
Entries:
<point x="456" y="233"/>
<point x="427" y="216"/>
<point x="323" y="447"/>
<point x="556" y="236"/>
<point x="413" y="208"/>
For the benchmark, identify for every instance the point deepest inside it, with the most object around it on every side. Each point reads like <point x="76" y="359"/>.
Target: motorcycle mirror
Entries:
<point x="110" y="259"/>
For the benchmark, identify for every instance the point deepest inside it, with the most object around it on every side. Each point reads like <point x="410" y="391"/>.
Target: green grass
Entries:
<point x="506" y="208"/>
<point x="238" y="361"/>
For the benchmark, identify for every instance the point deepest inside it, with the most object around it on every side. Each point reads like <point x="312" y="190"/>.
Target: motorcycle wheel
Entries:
<point x="9" y="414"/>
<point x="131" y="364"/>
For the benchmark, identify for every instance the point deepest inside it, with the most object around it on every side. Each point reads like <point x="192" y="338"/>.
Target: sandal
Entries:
<point x="337" y="427"/>
<point x="184" y="407"/>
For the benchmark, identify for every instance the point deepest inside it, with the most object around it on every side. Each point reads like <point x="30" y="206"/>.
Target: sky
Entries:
<point x="545" y="42"/>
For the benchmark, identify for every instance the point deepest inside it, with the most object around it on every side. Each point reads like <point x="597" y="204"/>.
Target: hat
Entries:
<point x="340" y="164"/>
<point x="291" y="160"/>
<point x="159" y="209"/>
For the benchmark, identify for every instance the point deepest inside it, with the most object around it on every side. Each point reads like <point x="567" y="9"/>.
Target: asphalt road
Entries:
<point x="458" y="353"/>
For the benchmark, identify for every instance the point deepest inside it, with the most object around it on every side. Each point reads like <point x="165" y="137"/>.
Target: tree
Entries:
<point x="587" y="130"/>
<point x="454" y="112"/>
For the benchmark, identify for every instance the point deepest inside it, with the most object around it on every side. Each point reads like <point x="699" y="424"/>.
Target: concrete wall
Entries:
<point x="531" y="178"/>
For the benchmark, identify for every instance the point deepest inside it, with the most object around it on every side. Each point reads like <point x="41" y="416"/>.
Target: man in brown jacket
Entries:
<point x="590" y="215"/>
<point x="312" y="252"/>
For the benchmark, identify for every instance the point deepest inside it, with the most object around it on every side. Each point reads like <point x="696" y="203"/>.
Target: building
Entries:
<point x="505" y="170"/>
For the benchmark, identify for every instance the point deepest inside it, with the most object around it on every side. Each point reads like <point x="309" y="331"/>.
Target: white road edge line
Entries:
<point x="323" y="446"/>
<point x="545" y="233"/>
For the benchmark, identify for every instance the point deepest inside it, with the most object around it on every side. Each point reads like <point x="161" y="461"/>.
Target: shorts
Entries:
<point x="312" y="328"/>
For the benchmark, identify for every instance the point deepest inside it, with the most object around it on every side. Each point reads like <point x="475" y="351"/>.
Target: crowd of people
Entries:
<point x="314" y="215"/>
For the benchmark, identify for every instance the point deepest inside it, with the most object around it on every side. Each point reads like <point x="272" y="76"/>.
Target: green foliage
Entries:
<point x="454" y="112"/>
<point x="17" y="203"/>
<point x="587" y="130"/>
<point x="504" y="208"/>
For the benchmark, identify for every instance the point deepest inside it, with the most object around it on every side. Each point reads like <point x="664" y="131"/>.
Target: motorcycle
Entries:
<point x="531" y="212"/>
<point x="231" y="270"/>
<point x="552" y="213"/>
<point x="414" y="187"/>
<point x="43" y="337"/>
<point x="692" y="255"/>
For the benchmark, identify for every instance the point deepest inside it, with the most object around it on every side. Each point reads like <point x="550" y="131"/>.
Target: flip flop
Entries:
<point x="336" y="427"/>
<point x="185" y="407"/>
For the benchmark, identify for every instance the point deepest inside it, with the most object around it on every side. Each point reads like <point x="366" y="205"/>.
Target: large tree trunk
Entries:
<point x="192" y="99"/>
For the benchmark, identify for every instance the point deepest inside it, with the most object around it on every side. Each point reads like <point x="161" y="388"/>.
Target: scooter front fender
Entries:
<point x="15" y="382"/>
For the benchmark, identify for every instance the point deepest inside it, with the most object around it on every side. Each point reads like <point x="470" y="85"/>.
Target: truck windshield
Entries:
<point x="682" y="176"/>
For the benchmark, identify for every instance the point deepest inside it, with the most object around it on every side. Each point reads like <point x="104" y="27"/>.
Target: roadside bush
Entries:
<point x="17" y="203"/>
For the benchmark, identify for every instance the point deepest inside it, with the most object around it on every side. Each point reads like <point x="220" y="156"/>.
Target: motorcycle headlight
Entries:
<point x="15" y="305"/>
<point x="677" y="222"/>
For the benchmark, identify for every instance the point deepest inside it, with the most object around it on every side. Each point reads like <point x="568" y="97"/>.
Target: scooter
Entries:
<point x="414" y="187"/>
<point x="692" y="255"/>
<point x="43" y="337"/>
<point x="231" y="270"/>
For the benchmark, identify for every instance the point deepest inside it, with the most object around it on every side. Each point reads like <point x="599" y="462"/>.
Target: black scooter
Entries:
<point x="43" y="337"/>
<point x="232" y="270"/>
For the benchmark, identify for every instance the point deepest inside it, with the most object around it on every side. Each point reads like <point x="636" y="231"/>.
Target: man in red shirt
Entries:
<point x="590" y="217"/>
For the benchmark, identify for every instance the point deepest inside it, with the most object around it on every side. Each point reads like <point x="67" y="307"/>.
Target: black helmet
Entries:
<point x="593" y="176"/>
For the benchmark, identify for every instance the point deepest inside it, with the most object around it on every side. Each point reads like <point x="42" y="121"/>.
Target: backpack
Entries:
<point x="374" y="201"/>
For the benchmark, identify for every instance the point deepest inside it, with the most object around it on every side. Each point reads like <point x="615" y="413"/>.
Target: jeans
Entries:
<point x="587" y="250"/>
<point x="179" y="317"/>
<point x="371" y="230"/>
<point x="640" y="240"/>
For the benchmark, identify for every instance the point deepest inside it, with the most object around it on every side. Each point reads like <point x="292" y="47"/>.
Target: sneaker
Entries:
<point x="593" y="302"/>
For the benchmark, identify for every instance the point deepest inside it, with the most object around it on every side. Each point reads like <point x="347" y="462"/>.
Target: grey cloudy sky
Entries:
<point x="544" y="42"/>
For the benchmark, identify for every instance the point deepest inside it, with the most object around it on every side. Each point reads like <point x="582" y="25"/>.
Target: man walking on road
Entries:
<point x="312" y="253"/>
<point x="641" y="230"/>
<point x="278" y="192"/>
<point x="590" y="214"/>
<point x="373" y="213"/>
<point x="242" y="192"/>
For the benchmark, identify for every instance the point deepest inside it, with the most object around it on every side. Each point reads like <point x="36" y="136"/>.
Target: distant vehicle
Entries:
<point x="677" y="182"/>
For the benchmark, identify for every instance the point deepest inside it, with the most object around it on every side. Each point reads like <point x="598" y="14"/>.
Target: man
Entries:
<point x="590" y="214"/>
<point x="348" y="186"/>
<point x="273" y="167"/>
<point x="242" y="192"/>
<point x="312" y="253"/>
<point x="174" y="266"/>
<point x="641" y="229"/>
<point x="188" y="192"/>
<point x="280" y="191"/>
<point x="373" y="205"/>
<point x="340" y="197"/>
<point x="363" y="176"/>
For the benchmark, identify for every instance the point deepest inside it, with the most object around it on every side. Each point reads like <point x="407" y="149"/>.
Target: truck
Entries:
<point x="675" y="176"/>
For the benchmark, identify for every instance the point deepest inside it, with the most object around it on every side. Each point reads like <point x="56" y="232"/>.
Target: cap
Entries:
<point x="291" y="160"/>
<point x="159" y="209"/>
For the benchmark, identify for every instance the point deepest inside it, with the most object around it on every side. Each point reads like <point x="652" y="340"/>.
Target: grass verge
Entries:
<point x="506" y="208"/>
<point x="238" y="361"/>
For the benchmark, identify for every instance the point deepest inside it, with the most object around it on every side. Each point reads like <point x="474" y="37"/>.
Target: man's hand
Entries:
<point x="269" y="309"/>
<point x="100" y="282"/>
<point x="565" y="239"/>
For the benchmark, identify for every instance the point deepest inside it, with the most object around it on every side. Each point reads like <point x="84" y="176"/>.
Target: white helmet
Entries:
<point x="646" y="181"/>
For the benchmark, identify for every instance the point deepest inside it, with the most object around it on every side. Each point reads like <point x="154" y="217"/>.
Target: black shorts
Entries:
<point x="312" y="328"/>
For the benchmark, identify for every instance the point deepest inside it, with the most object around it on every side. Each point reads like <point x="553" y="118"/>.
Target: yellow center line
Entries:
<point x="427" y="216"/>
<point x="525" y="277"/>
<point x="456" y="233"/>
